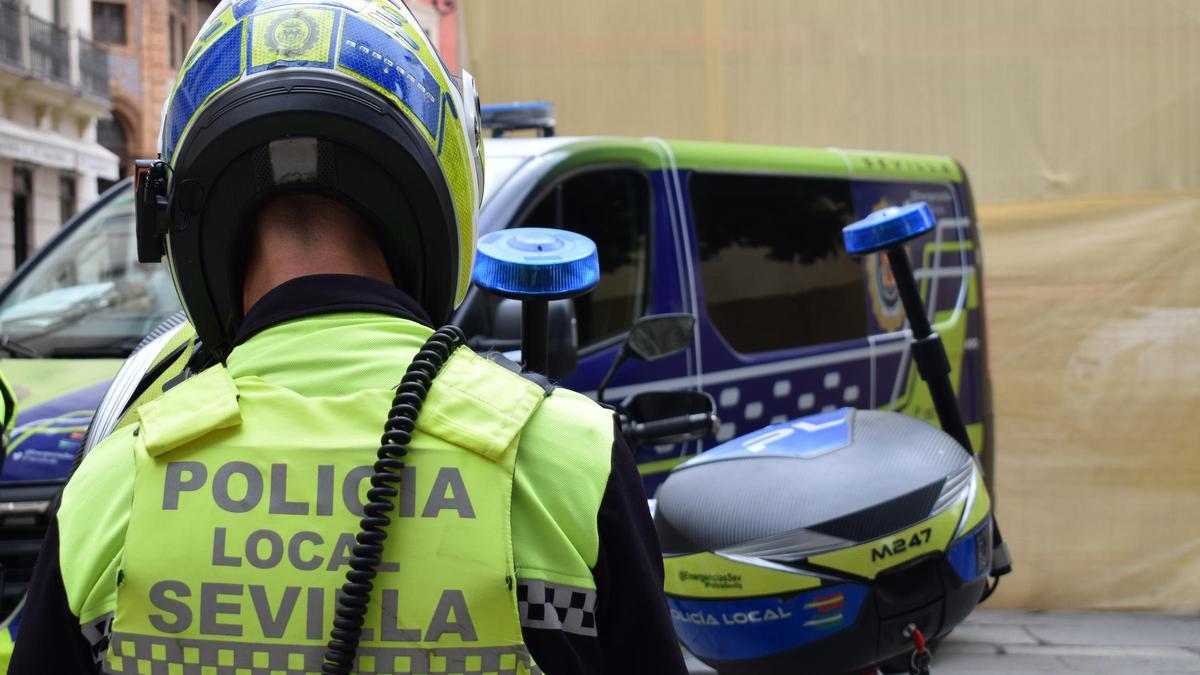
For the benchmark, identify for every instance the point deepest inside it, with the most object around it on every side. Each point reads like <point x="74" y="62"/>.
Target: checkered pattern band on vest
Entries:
<point x="142" y="654"/>
<point x="97" y="632"/>
<point x="557" y="607"/>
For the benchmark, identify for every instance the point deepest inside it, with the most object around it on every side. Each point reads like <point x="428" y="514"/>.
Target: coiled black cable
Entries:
<point x="367" y="553"/>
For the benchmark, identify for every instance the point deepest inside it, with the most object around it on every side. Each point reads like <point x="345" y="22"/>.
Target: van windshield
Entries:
<point x="497" y="170"/>
<point x="88" y="296"/>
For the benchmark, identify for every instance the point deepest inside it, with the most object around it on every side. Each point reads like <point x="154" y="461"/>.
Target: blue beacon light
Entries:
<point x="536" y="265"/>
<point x="528" y="116"/>
<point x="887" y="231"/>
<point x="888" y="227"/>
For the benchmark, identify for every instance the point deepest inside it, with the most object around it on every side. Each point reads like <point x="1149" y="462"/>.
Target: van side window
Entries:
<point x="774" y="270"/>
<point x="612" y="207"/>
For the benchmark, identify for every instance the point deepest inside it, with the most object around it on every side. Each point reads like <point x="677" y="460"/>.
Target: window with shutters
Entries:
<point x="108" y="22"/>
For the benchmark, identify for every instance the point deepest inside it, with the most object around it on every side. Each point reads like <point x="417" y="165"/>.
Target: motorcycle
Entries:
<point x="842" y="542"/>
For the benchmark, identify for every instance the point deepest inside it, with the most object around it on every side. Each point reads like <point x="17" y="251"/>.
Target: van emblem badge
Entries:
<point x="885" y="295"/>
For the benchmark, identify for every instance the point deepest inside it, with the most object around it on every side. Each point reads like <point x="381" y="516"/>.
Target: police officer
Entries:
<point x="321" y="185"/>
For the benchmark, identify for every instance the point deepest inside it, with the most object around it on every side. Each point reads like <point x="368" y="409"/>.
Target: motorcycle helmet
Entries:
<point x="346" y="99"/>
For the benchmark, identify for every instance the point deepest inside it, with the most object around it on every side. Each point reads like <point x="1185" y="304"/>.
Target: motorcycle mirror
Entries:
<point x="651" y="338"/>
<point x="659" y="336"/>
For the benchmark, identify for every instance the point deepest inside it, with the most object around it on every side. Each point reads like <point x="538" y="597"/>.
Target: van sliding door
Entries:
<point x="784" y="320"/>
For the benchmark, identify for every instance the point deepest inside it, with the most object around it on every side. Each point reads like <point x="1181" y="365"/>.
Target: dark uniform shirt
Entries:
<point x="634" y="632"/>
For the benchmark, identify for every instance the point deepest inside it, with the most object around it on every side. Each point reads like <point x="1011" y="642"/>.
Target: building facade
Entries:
<point x="82" y="86"/>
<point x="53" y="90"/>
<point x="442" y="20"/>
<point x="146" y="42"/>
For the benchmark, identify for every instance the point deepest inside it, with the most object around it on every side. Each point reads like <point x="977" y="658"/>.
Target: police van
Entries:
<point x="746" y="238"/>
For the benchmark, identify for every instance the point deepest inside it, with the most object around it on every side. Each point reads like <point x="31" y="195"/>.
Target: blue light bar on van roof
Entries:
<point x="887" y="227"/>
<point x="533" y="115"/>
<point x="535" y="263"/>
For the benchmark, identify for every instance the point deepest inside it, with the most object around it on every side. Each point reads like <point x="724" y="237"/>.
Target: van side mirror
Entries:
<point x="652" y="338"/>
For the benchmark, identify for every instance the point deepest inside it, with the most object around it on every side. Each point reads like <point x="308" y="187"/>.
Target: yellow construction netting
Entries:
<point x="1036" y="98"/>
<point x="1094" y="303"/>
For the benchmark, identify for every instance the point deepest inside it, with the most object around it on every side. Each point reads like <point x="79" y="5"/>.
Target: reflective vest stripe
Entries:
<point x="138" y="654"/>
<point x="551" y="606"/>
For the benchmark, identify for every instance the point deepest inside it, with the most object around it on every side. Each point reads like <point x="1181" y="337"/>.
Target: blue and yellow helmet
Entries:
<point x="344" y="98"/>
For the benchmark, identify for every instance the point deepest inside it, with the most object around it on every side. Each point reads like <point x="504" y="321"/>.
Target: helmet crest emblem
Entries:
<point x="292" y="35"/>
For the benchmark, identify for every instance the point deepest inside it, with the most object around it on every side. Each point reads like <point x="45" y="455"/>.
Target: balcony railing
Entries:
<point x="93" y="69"/>
<point x="11" y="51"/>
<point x="49" y="52"/>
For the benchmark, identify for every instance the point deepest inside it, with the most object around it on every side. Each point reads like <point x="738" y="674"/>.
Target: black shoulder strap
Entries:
<point x="10" y="404"/>
<point x="508" y="364"/>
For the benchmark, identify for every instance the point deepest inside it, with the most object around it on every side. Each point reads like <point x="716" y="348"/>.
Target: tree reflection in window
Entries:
<point x="612" y="207"/>
<point x="774" y="270"/>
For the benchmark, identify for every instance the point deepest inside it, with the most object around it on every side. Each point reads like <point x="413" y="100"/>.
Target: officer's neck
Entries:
<point x="287" y="247"/>
<point x="272" y="271"/>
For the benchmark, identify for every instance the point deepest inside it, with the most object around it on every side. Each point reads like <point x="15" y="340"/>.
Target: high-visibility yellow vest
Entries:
<point x="8" y="415"/>
<point x="246" y="496"/>
<point x="8" y="404"/>
<point x="6" y="647"/>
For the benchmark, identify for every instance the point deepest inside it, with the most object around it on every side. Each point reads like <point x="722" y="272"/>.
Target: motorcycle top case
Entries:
<point x="809" y="545"/>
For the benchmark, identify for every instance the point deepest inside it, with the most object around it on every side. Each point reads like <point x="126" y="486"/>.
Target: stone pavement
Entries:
<point x="1014" y="643"/>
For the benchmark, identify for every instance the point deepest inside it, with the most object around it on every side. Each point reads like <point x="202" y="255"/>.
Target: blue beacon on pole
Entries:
<point x="536" y="263"/>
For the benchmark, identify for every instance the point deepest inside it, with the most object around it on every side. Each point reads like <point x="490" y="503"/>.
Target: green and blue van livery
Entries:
<point x="749" y="240"/>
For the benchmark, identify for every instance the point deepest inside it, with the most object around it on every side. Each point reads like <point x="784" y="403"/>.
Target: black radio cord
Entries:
<point x="367" y="553"/>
